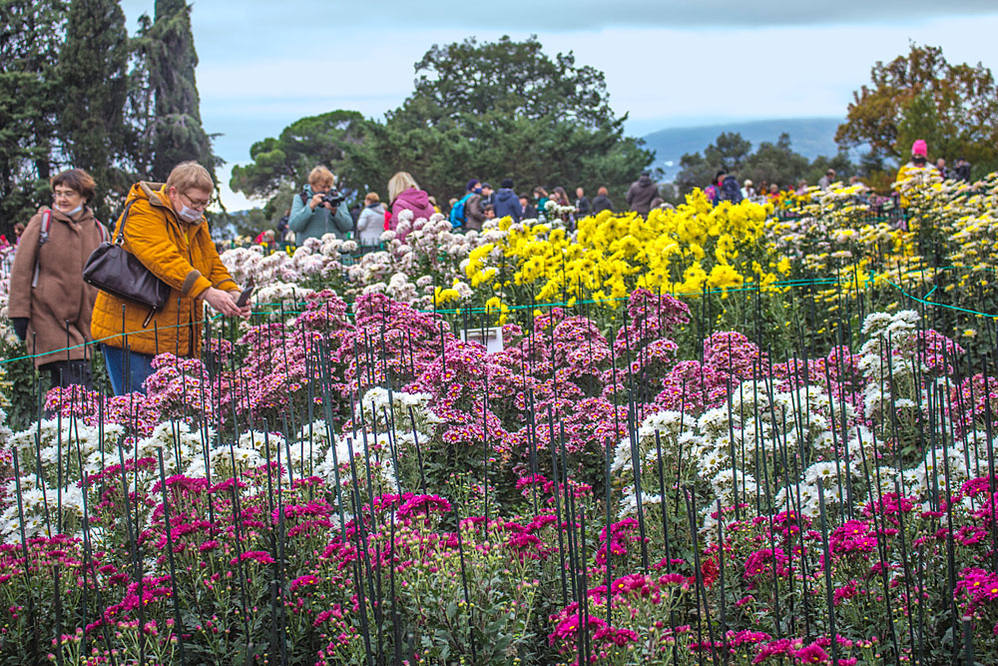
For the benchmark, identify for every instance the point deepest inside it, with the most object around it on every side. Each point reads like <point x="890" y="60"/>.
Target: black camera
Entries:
<point x="333" y="197"/>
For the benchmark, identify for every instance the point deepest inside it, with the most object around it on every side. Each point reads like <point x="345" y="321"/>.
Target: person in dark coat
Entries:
<point x="488" y="195"/>
<point x="506" y="201"/>
<point x="602" y="201"/>
<point x="474" y="211"/>
<point x="582" y="205"/>
<point x="282" y="226"/>
<point x="641" y="193"/>
<point x="529" y="212"/>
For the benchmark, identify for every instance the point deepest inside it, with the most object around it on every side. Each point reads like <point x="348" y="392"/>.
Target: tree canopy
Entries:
<point x="490" y="110"/>
<point x="922" y="96"/>
<point x="329" y="138"/>
<point x="772" y="162"/>
<point x="168" y="60"/>
<point x="517" y="79"/>
<point x="728" y="151"/>
<point x="29" y="56"/>
<point x="76" y="91"/>
<point x="93" y="69"/>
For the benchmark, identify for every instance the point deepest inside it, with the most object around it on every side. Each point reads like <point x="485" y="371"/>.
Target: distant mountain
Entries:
<point x="808" y="136"/>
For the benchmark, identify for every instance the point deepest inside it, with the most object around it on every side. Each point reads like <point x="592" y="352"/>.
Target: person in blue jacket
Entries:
<point x="313" y="218"/>
<point x="506" y="201"/>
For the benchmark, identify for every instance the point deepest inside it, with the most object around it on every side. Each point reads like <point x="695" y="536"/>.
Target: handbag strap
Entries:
<point x="120" y="235"/>
<point x="43" y="237"/>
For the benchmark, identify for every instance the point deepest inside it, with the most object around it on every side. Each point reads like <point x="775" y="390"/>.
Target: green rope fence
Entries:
<point x="752" y="287"/>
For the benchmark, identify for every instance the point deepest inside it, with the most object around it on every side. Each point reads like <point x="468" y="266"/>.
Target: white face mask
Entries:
<point x="188" y="214"/>
<point x="72" y="213"/>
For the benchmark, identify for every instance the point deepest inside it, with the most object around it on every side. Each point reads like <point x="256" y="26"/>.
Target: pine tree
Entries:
<point x="29" y="42"/>
<point x="174" y="133"/>
<point x="94" y="84"/>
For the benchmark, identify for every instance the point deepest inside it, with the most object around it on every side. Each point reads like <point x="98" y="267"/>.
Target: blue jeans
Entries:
<point x="139" y="367"/>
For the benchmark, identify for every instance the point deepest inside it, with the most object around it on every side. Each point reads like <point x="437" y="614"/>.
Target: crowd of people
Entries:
<point x="60" y="317"/>
<point x="480" y="202"/>
<point x="725" y="186"/>
<point x="314" y="213"/>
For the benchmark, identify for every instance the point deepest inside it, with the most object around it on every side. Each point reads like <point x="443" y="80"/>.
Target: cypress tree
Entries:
<point x="166" y="47"/>
<point x="94" y="83"/>
<point x="29" y="46"/>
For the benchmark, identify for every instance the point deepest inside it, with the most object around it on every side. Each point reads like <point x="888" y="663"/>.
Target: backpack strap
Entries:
<point x="43" y="236"/>
<point x="104" y="237"/>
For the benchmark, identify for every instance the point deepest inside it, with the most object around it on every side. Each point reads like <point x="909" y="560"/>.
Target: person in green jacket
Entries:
<point x="311" y="218"/>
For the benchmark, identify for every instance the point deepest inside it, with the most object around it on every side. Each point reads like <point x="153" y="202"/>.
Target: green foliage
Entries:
<point x="492" y="110"/>
<point x="22" y="394"/>
<point x="226" y="225"/>
<point x="729" y="150"/>
<point x="776" y="163"/>
<point x="68" y="98"/>
<point x="29" y="43"/>
<point x="922" y="96"/>
<point x="844" y="168"/>
<point x="504" y="108"/>
<point x="167" y="92"/>
<point x="93" y="74"/>
<point x="332" y="139"/>
<point x="771" y="162"/>
<point x="464" y="79"/>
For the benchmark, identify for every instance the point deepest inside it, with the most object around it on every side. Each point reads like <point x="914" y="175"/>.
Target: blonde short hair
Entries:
<point x="372" y="198"/>
<point x="399" y="183"/>
<point x="320" y="175"/>
<point x="190" y="176"/>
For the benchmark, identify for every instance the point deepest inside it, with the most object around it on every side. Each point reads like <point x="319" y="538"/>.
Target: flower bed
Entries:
<point x="637" y="476"/>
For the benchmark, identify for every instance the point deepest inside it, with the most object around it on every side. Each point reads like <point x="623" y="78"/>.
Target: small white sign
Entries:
<point x="492" y="338"/>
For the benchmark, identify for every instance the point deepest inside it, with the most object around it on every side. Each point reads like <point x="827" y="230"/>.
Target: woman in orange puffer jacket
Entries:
<point x="166" y="230"/>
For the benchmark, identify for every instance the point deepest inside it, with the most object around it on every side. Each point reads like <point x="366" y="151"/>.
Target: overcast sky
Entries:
<point x="264" y="64"/>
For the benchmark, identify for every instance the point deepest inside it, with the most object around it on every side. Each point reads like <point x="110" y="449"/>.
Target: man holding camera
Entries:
<point x="319" y="209"/>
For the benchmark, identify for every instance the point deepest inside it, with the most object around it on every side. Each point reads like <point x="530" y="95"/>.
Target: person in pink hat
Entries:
<point x="919" y="167"/>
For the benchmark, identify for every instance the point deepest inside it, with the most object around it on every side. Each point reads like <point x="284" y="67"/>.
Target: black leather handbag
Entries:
<point x="117" y="271"/>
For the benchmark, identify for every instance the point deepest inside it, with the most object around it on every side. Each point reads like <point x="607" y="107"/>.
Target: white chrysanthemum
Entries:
<point x="826" y="473"/>
<point x="621" y="455"/>
<point x="629" y="502"/>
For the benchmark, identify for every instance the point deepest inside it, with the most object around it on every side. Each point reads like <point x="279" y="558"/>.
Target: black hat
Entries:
<point x="507" y="183"/>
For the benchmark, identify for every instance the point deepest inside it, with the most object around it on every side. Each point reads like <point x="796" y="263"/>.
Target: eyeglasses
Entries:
<point x="56" y="194"/>
<point x="196" y="203"/>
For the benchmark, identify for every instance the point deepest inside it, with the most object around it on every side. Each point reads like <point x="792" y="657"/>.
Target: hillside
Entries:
<point x="809" y="136"/>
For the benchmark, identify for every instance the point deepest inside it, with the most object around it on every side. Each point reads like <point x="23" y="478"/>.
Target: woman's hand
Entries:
<point x="245" y="310"/>
<point x="225" y="303"/>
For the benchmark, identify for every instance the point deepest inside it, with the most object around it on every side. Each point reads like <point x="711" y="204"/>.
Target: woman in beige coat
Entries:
<point x="50" y="304"/>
